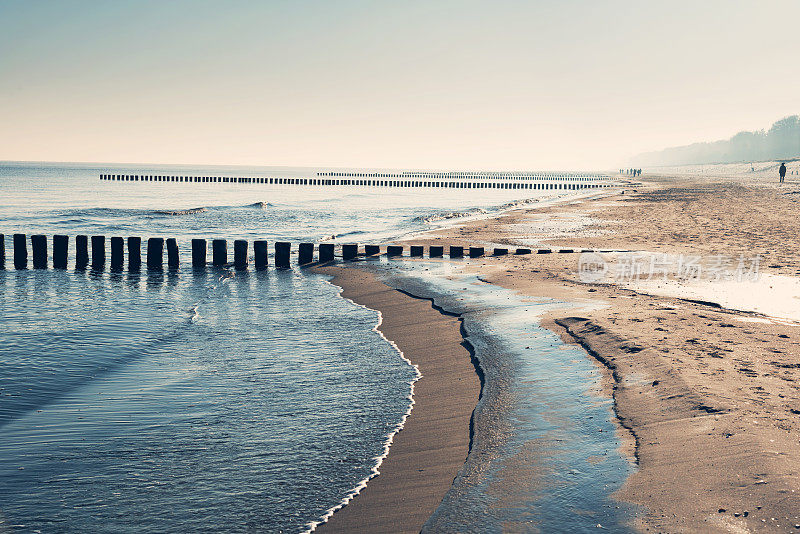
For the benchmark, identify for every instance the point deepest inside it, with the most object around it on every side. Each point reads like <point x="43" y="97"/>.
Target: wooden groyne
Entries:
<point x="546" y="182"/>
<point x="471" y="175"/>
<point x="90" y="253"/>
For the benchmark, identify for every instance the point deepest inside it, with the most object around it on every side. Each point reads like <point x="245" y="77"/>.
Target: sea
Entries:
<point x="235" y="401"/>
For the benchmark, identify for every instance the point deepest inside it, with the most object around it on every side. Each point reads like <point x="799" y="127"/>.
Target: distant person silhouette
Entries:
<point x="782" y="171"/>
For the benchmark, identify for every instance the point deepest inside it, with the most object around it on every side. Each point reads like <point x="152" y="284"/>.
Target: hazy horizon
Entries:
<point x="430" y="85"/>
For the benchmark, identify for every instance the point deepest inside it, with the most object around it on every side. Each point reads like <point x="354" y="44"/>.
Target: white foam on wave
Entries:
<point x="190" y="211"/>
<point x="543" y="201"/>
<point x="444" y="216"/>
<point x="227" y="275"/>
<point x="477" y="212"/>
<point x="375" y="469"/>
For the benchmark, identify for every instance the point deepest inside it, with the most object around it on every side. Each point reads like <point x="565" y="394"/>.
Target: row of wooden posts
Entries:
<point x="582" y="177"/>
<point x="462" y="184"/>
<point x="95" y="257"/>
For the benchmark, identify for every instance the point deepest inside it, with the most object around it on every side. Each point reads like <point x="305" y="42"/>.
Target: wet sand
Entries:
<point x="426" y="455"/>
<point x="711" y="396"/>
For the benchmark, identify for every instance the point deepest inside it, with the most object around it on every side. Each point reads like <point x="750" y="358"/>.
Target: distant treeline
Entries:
<point x="780" y="142"/>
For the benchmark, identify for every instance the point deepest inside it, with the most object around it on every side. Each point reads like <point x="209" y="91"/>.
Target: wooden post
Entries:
<point x="240" y="254"/>
<point x="394" y="250"/>
<point x="326" y="252"/>
<point x="81" y="251"/>
<point x="456" y="252"/>
<point x="521" y="251"/>
<point x="199" y="253"/>
<point x="260" y="251"/>
<point x="60" y="248"/>
<point x="173" y="258"/>
<point x="476" y="252"/>
<point x="435" y="251"/>
<point x="565" y="250"/>
<point x="39" y="250"/>
<point x="20" y="252"/>
<point x="544" y="251"/>
<point x="117" y="257"/>
<point x="155" y="254"/>
<point x="372" y="250"/>
<point x="282" y="252"/>
<point x="305" y="253"/>
<point x="219" y="252"/>
<point x="98" y="252"/>
<point x="349" y="251"/>
<point x="500" y="251"/>
<point x="134" y="253"/>
<point x="417" y="251"/>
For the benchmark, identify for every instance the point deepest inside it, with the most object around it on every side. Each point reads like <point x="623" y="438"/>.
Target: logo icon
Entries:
<point x="591" y="267"/>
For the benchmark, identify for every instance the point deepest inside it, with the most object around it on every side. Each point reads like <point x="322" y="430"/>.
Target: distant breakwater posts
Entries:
<point x="117" y="253"/>
<point x="535" y="181"/>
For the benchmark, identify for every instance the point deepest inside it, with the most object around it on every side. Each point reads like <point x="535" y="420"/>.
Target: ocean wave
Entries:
<point x="334" y="237"/>
<point x="447" y="215"/>
<point x="354" y="232"/>
<point x="190" y="211"/>
<point x="444" y="216"/>
<point x="517" y="203"/>
<point x="262" y="205"/>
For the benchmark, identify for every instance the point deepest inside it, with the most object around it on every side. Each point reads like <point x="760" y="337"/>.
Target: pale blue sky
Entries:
<point x="429" y="84"/>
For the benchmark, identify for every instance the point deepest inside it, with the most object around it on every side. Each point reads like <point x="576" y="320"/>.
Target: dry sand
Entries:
<point x="711" y="396"/>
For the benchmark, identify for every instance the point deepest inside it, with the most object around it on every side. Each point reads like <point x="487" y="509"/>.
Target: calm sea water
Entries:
<point x="178" y="401"/>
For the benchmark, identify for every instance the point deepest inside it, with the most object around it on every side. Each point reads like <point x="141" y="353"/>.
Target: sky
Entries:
<point x="431" y="84"/>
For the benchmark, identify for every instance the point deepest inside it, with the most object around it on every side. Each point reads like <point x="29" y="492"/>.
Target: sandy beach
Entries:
<point x="434" y="442"/>
<point x="399" y="267"/>
<point x="708" y="395"/>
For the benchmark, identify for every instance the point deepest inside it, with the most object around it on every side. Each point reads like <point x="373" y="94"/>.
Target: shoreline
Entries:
<point x="365" y="508"/>
<point x="710" y="394"/>
<point x="488" y="423"/>
<point x="375" y="471"/>
<point x="426" y="455"/>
